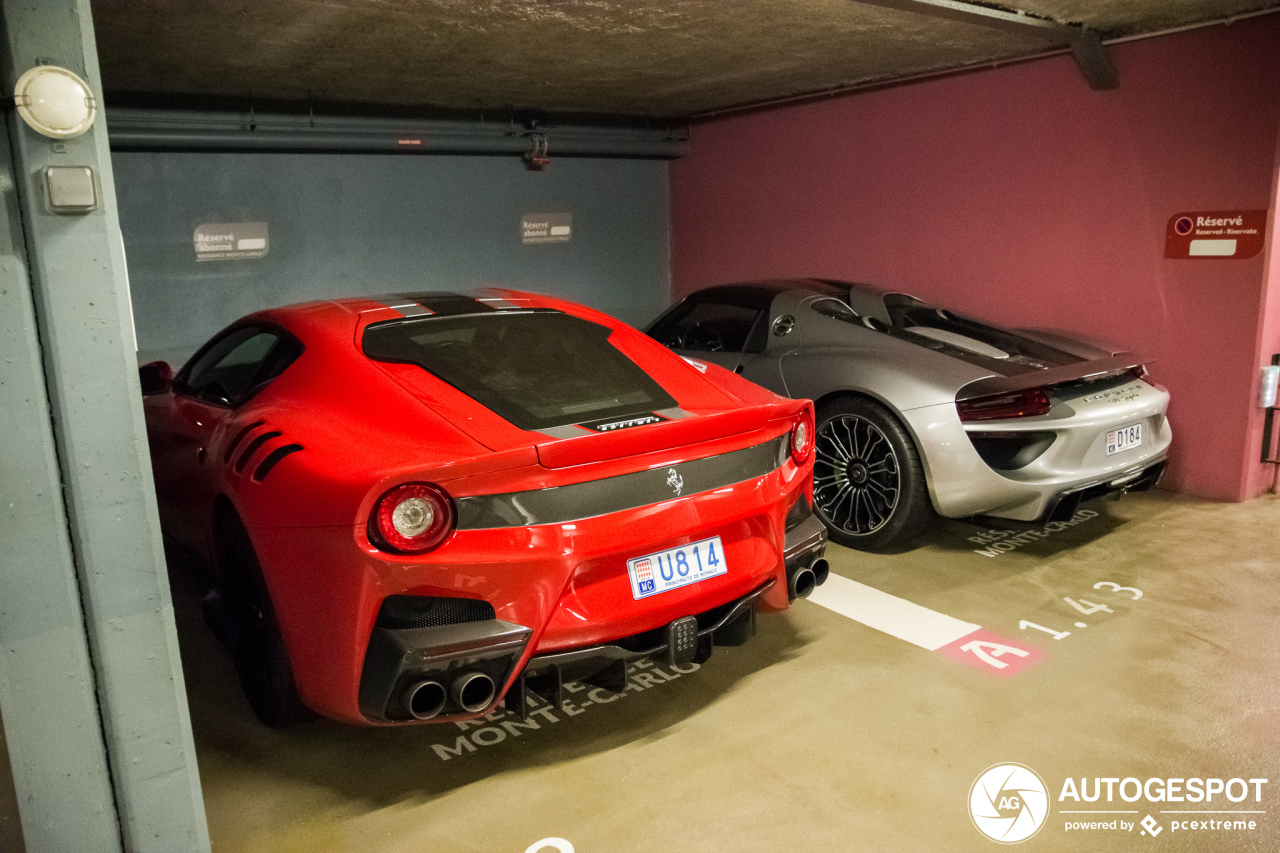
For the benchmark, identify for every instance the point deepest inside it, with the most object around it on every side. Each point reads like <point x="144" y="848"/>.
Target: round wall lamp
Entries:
<point x="55" y="102"/>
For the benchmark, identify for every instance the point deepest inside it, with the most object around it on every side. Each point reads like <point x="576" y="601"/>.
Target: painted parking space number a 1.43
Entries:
<point x="992" y="653"/>
<point x="1086" y="607"/>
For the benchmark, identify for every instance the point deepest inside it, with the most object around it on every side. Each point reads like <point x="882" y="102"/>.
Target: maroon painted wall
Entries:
<point x="1021" y="196"/>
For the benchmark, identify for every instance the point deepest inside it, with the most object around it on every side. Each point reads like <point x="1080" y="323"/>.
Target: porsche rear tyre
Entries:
<point x="256" y="645"/>
<point x="868" y="482"/>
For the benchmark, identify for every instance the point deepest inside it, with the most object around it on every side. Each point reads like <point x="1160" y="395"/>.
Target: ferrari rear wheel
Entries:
<point x="868" y="482"/>
<point x="256" y="645"/>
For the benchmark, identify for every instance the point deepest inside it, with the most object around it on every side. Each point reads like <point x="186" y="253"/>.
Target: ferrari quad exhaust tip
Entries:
<point x="803" y="580"/>
<point x="473" y="691"/>
<point x="424" y="699"/>
<point x="821" y="569"/>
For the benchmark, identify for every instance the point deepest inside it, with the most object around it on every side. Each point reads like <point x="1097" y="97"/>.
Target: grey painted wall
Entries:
<point x="345" y="224"/>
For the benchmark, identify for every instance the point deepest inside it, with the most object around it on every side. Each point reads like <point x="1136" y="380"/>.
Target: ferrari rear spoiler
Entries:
<point x="576" y="445"/>
<point x="1084" y="370"/>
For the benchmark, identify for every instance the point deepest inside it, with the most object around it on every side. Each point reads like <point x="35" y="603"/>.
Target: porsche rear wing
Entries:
<point x="1080" y="371"/>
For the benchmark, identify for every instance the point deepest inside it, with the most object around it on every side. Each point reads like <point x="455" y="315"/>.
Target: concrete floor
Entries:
<point x="825" y="734"/>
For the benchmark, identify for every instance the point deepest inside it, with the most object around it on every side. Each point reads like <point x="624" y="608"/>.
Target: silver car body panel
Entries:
<point x="811" y="355"/>
<point x="1076" y="346"/>
<point x="962" y="484"/>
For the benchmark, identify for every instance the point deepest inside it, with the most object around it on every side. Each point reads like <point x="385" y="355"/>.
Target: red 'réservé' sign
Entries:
<point x="1216" y="234"/>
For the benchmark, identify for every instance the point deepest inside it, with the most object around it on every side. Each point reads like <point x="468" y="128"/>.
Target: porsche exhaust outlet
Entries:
<point x="472" y="691"/>
<point x="424" y="699"/>
<point x="801" y="582"/>
<point x="820" y="568"/>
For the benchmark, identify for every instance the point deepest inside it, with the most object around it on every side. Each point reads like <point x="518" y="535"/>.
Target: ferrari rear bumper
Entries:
<point x="441" y="672"/>
<point x="384" y="638"/>
<point x="805" y="543"/>
<point x="415" y="669"/>
<point x="401" y="663"/>
<point x="605" y="665"/>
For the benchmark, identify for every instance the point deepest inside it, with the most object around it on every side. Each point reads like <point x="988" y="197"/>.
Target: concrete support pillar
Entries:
<point x="95" y="710"/>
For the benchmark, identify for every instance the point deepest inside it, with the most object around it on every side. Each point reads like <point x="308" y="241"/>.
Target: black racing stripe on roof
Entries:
<point x="427" y="318"/>
<point x="448" y="304"/>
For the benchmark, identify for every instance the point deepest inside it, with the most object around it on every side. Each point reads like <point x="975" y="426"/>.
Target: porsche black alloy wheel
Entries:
<point x="868" y="483"/>
<point x="256" y="646"/>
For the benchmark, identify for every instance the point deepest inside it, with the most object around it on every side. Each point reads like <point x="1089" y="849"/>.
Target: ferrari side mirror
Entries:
<point x="155" y="378"/>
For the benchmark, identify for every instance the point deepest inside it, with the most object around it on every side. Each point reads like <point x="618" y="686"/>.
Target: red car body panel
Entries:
<point x="303" y="462"/>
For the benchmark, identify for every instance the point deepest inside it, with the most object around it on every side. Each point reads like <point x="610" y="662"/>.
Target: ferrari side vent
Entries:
<point x="273" y="458"/>
<point x="252" y="448"/>
<point x="235" y="442"/>
<point x="419" y="611"/>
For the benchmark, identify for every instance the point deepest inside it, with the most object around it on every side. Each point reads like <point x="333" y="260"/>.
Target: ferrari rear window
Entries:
<point x="536" y="369"/>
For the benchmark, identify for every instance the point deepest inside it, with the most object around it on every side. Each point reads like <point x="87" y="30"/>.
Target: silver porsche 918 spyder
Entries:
<point x="920" y="409"/>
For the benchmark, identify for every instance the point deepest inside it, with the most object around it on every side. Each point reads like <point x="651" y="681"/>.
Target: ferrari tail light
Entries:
<point x="412" y="519"/>
<point x="802" y="438"/>
<point x="1018" y="404"/>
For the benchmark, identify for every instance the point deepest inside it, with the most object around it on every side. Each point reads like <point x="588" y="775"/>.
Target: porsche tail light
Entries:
<point x="412" y="519"/>
<point x="802" y="438"/>
<point x="1140" y="372"/>
<point x="1019" y="404"/>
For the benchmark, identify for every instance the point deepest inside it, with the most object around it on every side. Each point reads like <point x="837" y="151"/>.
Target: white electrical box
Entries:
<point x="70" y="189"/>
<point x="1270" y="379"/>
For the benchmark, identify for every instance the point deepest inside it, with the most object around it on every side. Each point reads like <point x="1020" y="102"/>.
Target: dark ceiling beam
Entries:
<point x="1085" y="45"/>
<point x="137" y="129"/>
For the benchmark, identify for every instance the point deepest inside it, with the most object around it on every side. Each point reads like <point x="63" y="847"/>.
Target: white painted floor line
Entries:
<point x="894" y="616"/>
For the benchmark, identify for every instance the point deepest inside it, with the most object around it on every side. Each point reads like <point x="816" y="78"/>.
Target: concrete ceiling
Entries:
<point x="660" y="58"/>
